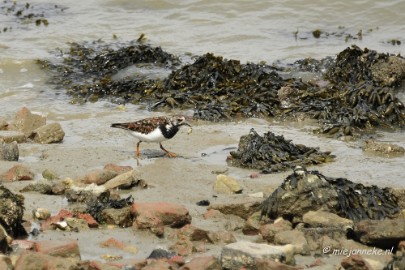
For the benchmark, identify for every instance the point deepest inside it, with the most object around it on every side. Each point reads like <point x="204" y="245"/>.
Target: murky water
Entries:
<point x="245" y="30"/>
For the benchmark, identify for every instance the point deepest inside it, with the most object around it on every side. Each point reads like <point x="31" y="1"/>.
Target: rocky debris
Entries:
<point x="67" y="220"/>
<point x="47" y="187"/>
<point x="269" y="230"/>
<point x="245" y="254"/>
<point x="243" y="209"/>
<point x="125" y="180"/>
<point x="18" y="172"/>
<point x="355" y="262"/>
<point x="388" y="149"/>
<point x="325" y="219"/>
<point x="49" y="175"/>
<point x="226" y="185"/>
<point x="304" y="191"/>
<point x="272" y="153"/>
<point x="295" y="238"/>
<point x="36" y="260"/>
<point x="121" y="217"/>
<point x="51" y="133"/>
<point x="9" y="151"/>
<point x="156" y="215"/>
<point x="27" y="122"/>
<point x="118" y="168"/>
<point x="202" y="263"/>
<point x="385" y="233"/>
<point x="99" y="177"/>
<point x="9" y="136"/>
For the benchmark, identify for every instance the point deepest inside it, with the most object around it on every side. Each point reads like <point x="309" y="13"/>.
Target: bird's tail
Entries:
<point x="120" y="125"/>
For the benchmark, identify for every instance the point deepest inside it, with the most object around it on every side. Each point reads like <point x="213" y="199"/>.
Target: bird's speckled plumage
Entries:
<point x="154" y="129"/>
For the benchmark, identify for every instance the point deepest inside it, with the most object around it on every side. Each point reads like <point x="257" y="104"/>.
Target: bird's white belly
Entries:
<point x="154" y="136"/>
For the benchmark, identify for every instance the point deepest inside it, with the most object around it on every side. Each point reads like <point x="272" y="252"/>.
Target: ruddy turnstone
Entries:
<point x="154" y="129"/>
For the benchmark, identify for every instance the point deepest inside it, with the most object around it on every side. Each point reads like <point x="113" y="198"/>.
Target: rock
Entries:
<point x="183" y="247"/>
<point x="35" y="260"/>
<point x="243" y="209"/>
<point x="19" y="172"/>
<point x="212" y="213"/>
<point x="355" y="262"/>
<point x="125" y="180"/>
<point x="77" y="224"/>
<point x="154" y="215"/>
<point x="317" y="236"/>
<point x="59" y="248"/>
<point x="268" y="231"/>
<point x="295" y="238"/>
<point x="372" y="145"/>
<point x="41" y="213"/>
<point x="202" y="263"/>
<point x="5" y="241"/>
<point x="51" y="221"/>
<point x="245" y="254"/>
<point x="226" y="185"/>
<point x="304" y="191"/>
<point x="11" y="214"/>
<point x="118" y="168"/>
<point x="221" y="237"/>
<point x="9" y="151"/>
<point x="252" y="224"/>
<point x="120" y="217"/>
<point x="91" y="222"/>
<point x="49" y="175"/>
<point x="9" y="136"/>
<point x="389" y="71"/>
<point x="51" y="133"/>
<point x="5" y="263"/>
<point x="385" y="233"/>
<point x="400" y="194"/>
<point x="398" y="263"/>
<point x="192" y="233"/>
<point x="43" y="187"/>
<point x="99" y="177"/>
<point x="326" y="219"/>
<point x="27" y="122"/>
<point x="3" y="123"/>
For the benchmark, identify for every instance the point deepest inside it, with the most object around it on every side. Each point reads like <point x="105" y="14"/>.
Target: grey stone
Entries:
<point x="9" y="151"/>
<point x="51" y="133"/>
<point x="326" y="219"/>
<point x="9" y="136"/>
<point x="226" y="185"/>
<point x="385" y="233"/>
<point x="245" y="254"/>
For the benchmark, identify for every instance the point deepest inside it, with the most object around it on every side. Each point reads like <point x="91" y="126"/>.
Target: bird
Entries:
<point x="154" y="130"/>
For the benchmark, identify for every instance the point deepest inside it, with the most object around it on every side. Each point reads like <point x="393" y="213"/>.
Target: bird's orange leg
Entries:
<point x="169" y="154"/>
<point x="137" y="148"/>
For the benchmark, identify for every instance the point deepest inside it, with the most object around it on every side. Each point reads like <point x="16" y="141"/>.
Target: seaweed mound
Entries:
<point x="304" y="190"/>
<point x="272" y="153"/>
<point x="358" y="93"/>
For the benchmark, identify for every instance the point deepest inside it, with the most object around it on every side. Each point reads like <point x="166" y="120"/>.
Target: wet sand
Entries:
<point x="90" y="144"/>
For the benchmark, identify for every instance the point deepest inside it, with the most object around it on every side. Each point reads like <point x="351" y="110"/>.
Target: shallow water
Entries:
<point x="250" y="31"/>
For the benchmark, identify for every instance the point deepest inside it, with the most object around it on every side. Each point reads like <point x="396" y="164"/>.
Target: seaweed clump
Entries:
<point x="304" y="191"/>
<point x="88" y="70"/>
<point x="360" y="94"/>
<point x="96" y="206"/>
<point x="272" y="153"/>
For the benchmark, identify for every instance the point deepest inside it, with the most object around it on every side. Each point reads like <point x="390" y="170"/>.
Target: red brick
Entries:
<point x="61" y="248"/>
